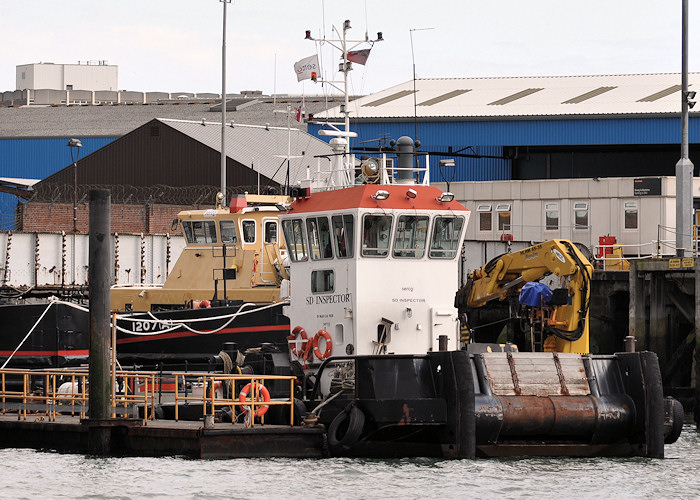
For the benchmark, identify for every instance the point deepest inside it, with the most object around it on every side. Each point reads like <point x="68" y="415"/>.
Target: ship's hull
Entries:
<point x="62" y="337"/>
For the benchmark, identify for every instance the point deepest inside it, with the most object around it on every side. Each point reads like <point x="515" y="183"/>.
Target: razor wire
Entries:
<point x="127" y="194"/>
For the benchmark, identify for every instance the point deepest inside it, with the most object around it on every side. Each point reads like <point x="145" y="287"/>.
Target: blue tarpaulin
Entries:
<point x="535" y="294"/>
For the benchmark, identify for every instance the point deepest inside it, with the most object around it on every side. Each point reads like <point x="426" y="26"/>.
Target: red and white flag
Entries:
<point x="358" y="56"/>
<point x="300" y="113"/>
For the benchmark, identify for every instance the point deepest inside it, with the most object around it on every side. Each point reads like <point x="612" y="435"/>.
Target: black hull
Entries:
<point x="62" y="337"/>
<point x="443" y="404"/>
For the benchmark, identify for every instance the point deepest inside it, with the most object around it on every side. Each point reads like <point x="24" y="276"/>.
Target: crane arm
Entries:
<point x="505" y="275"/>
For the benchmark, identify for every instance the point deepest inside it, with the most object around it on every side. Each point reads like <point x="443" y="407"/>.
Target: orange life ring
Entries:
<point x="262" y="390"/>
<point x="329" y="344"/>
<point x="293" y="337"/>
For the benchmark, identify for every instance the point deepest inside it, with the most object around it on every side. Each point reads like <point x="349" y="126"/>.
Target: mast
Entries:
<point x="344" y="45"/>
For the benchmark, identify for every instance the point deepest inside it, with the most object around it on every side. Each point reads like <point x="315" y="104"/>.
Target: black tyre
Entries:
<point x="676" y="412"/>
<point x="346" y="428"/>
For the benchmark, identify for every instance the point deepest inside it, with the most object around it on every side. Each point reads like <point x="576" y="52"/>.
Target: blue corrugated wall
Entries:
<point x="36" y="158"/>
<point x="487" y="137"/>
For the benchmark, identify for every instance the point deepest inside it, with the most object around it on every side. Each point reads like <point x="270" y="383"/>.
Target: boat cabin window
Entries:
<point x="411" y="233"/>
<point x="270" y="231"/>
<point x="319" y="238"/>
<point x="322" y="281"/>
<point x="375" y="235"/>
<point x="294" y="236"/>
<point x="248" y="229"/>
<point x="343" y="232"/>
<point x="446" y="237"/>
<point x="227" y="229"/>
<point x="199" y="232"/>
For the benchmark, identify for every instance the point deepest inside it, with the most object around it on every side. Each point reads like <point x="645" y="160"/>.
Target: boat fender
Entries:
<point x="346" y="427"/>
<point x="322" y="333"/>
<point x="292" y="340"/>
<point x="262" y="391"/>
<point x="673" y="424"/>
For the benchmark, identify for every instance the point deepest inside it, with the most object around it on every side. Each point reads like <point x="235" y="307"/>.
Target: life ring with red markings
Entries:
<point x="262" y="391"/>
<point x="292" y="340"/>
<point x="322" y="333"/>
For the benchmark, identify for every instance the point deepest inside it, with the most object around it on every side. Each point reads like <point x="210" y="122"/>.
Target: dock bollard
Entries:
<point x="442" y="342"/>
<point x="630" y="343"/>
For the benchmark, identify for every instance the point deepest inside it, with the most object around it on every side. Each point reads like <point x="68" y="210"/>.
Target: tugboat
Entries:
<point x="223" y="290"/>
<point x="376" y="344"/>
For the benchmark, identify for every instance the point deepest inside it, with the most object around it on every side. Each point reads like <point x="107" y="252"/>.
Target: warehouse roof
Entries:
<point x="266" y="147"/>
<point x="117" y="120"/>
<point x="523" y="97"/>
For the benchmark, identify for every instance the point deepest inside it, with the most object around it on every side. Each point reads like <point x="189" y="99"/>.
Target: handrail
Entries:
<point x="58" y="392"/>
<point x="210" y="400"/>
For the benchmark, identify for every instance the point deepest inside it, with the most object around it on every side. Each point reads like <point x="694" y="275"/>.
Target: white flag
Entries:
<point x="307" y="68"/>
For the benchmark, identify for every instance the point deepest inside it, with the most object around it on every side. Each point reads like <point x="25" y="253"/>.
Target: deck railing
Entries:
<point x="48" y="393"/>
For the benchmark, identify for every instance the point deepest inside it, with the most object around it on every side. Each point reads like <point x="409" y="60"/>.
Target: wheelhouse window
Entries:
<point x="199" y="232"/>
<point x="319" y="232"/>
<point x="503" y="213"/>
<point x="411" y="234"/>
<point x="375" y="235"/>
<point x="270" y="231"/>
<point x="631" y="215"/>
<point x="343" y="233"/>
<point x="322" y="281"/>
<point x="446" y="237"/>
<point x="248" y="229"/>
<point x="551" y="216"/>
<point x="294" y="236"/>
<point x="227" y="229"/>
<point x="485" y="222"/>
<point x="580" y="215"/>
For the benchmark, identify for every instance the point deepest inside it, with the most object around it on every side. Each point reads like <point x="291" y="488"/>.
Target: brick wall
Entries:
<point x="126" y="219"/>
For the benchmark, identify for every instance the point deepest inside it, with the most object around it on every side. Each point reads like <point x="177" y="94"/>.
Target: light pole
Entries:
<point x="72" y="144"/>
<point x="684" y="167"/>
<point x="223" y="106"/>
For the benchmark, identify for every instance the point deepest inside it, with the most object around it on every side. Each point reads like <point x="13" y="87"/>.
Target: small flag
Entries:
<point x="307" y="68"/>
<point x="300" y="115"/>
<point x="358" y="56"/>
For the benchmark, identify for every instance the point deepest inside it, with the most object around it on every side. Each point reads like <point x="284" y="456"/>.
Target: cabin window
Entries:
<point x="375" y="235"/>
<point x="322" y="281"/>
<point x="631" y="215"/>
<point x="580" y="215"/>
<point x="248" y="230"/>
<point x="294" y="236"/>
<point x="410" y="237"/>
<point x="503" y="214"/>
<point x="551" y="216"/>
<point x="447" y="232"/>
<point x="484" y="217"/>
<point x="343" y="232"/>
<point x="270" y="231"/>
<point x="227" y="228"/>
<point x="199" y="232"/>
<point x="319" y="238"/>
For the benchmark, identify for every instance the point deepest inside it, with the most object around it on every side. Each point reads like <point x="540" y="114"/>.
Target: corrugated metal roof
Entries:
<point x="565" y="96"/>
<point x="264" y="147"/>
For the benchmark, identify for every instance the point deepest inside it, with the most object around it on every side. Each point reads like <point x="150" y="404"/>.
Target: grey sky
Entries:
<point x="175" y="45"/>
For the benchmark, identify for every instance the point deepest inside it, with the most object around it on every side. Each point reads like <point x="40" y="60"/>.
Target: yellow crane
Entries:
<point x="557" y="325"/>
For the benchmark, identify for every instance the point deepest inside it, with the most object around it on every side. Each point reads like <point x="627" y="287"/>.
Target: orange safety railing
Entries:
<point x="225" y="390"/>
<point x="66" y="392"/>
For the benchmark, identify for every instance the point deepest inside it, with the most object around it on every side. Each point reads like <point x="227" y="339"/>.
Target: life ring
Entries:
<point x="329" y="344"/>
<point x="293" y="337"/>
<point x="262" y="390"/>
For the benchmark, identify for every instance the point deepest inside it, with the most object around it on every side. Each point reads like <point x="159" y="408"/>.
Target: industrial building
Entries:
<point x="543" y="157"/>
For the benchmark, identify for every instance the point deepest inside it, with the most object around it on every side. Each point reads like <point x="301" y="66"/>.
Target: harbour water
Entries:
<point x="29" y="474"/>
